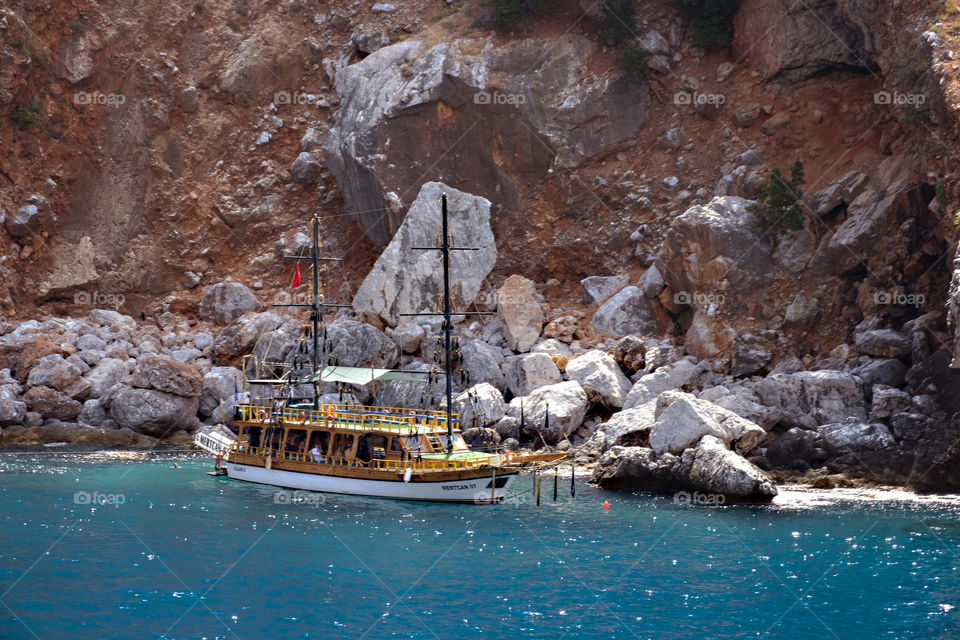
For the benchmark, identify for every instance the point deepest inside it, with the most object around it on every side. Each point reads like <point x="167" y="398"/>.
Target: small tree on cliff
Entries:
<point x="711" y="20"/>
<point x="510" y="12"/>
<point x="779" y="202"/>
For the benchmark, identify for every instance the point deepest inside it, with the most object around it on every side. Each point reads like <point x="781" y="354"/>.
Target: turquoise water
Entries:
<point x="173" y="553"/>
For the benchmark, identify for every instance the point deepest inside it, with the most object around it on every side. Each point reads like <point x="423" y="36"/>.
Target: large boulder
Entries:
<point x="224" y="302"/>
<point x="168" y="375"/>
<point x="809" y="399"/>
<point x="597" y="289"/>
<point x="55" y="372"/>
<point x="683" y="375"/>
<point x="530" y="371"/>
<point x="712" y="468"/>
<point x="682" y="420"/>
<point x="534" y="95"/>
<point x="239" y="337"/>
<point x="482" y="361"/>
<point x="518" y="308"/>
<point x="150" y="412"/>
<point x="636" y="468"/>
<point x="106" y="373"/>
<point x="358" y="344"/>
<point x="627" y="312"/>
<point x="51" y="403"/>
<point x="882" y="343"/>
<point x="630" y="427"/>
<point x="220" y="384"/>
<point x="600" y="376"/>
<point x="405" y="280"/>
<point x="20" y="352"/>
<point x="480" y="406"/>
<point x="566" y="403"/>
<point x="12" y="409"/>
<point x="429" y="392"/>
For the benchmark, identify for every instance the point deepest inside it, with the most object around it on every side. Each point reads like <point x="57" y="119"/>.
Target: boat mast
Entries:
<point x="315" y="305"/>
<point x="447" y="325"/>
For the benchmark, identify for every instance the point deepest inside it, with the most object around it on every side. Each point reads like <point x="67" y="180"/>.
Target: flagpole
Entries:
<point x="315" y="314"/>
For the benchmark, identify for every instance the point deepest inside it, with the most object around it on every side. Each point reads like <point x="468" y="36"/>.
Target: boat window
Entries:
<point x="295" y="440"/>
<point x="275" y="439"/>
<point x="254" y="433"/>
<point x="396" y="444"/>
<point x="320" y="440"/>
<point x="342" y="445"/>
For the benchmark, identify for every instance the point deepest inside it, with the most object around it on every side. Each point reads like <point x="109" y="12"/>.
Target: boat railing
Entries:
<point x="354" y="417"/>
<point x="380" y="464"/>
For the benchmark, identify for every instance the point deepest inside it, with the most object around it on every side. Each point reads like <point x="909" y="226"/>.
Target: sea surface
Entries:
<point x="125" y="546"/>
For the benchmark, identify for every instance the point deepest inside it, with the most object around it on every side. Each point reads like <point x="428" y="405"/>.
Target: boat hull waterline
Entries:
<point x="474" y="490"/>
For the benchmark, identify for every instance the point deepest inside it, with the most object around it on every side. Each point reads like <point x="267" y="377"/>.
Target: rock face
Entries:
<point x="357" y="344"/>
<point x="812" y="398"/>
<point x="482" y="361"/>
<point x="799" y="41"/>
<point x="106" y="373"/>
<point x="518" y="308"/>
<point x="683" y="375"/>
<point x="567" y="404"/>
<point x="599" y="374"/>
<point x="682" y="420"/>
<point x="477" y="95"/>
<point x="626" y="312"/>
<point x="713" y="468"/>
<point x="404" y="280"/>
<point x="227" y="301"/>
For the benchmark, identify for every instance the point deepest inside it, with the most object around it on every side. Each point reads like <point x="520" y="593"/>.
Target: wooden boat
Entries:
<point x="387" y="452"/>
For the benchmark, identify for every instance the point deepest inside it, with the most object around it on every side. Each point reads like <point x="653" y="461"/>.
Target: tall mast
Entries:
<point x="447" y="325"/>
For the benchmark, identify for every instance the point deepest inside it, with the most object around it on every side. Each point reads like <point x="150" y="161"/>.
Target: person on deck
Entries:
<point x="315" y="452"/>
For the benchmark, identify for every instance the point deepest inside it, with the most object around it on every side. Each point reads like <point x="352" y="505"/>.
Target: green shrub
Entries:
<point x="941" y="189"/>
<point x="779" y="202"/>
<point x="77" y="27"/>
<point x="914" y="117"/>
<point x="617" y="24"/>
<point x="511" y="12"/>
<point x="632" y="63"/>
<point x="27" y="115"/>
<point x="711" y="20"/>
<point x="22" y="46"/>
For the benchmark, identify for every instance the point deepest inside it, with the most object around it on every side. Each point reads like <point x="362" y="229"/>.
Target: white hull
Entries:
<point x="475" y="490"/>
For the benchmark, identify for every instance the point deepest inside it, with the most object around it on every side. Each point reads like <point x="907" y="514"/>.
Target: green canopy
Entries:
<point x="358" y="375"/>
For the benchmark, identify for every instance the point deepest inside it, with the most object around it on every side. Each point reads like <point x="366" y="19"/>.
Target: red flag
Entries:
<point x="296" y="278"/>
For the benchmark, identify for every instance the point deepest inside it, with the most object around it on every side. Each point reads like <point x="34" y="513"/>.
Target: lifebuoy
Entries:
<point x="302" y="417"/>
<point x="262" y="415"/>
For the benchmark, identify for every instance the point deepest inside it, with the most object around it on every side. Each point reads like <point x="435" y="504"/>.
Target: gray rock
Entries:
<point x="795" y="449"/>
<point x="888" y="372"/>
<point x="167" y="375"/>
<point x="888" y="402"/>
<point x="520" y="313"/>
<point x="567" y="404"/>
<point x="655" y="43"/>
<point x="480" y="406"/>
<point x="24" y="222"/>
<point x="525" y="373"/>
<point x="600" y="376"/>
<point x="634" y="468"/>
<point x="242" y="334"/>
<point x="224" y="302"/>
<point x="94" y="414"/>
<point x="357" y="344"/>
<point x="90" y="342"/>
<point x="856" y="438"/>
<point x="882" y="343"/>
<point x="75" y="62"/>
<point x="811" y="398"/>
<point x="305" y="169"/>
<point x="310" y="140"/>
<point x="508" y="427"/>
<point x="683" y="375"/>
<point x="626" y="312"/>
<point x="597" y="289"/>
<point x="551" y="347"/>
<point x="12" y="409"/>
<point x="481" y="439"/>
<point x="652" y="282"/>
<point x="682" y="420"/>
<point x="747" y="115"/>
<point x="713" y="468"/>
<point x="422" y="395"/>
<point x="408" y="337"/>
<point x="150" y="412"/>
<point x="724" y="70"/>
<point x="51" y="403"/>
<point x="482" y="361"/>
<point x="189" y="100"/>
<point x="220" y="384"/>
<point x="107" y="372"/>
<point x="382" y="296"/>
<point x="843" y="191"/>
<point x="55" y="372"/>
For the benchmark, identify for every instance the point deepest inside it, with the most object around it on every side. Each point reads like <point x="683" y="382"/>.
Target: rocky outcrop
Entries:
<point x="480" y="406"/>
<point x="151" y="412"/>
<point x="525" y="373"/>
<point x="684" y="375"/>
<point x="812" y="398"/>
<point x="624" y="313"/>
<point x="405" y="280"/>
<point x="472" y="94"/>
<point x="566" y="404"/>
<point x="167" y="375"/>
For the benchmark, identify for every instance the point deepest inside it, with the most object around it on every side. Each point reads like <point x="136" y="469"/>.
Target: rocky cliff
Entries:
<point x="151" y="153"/>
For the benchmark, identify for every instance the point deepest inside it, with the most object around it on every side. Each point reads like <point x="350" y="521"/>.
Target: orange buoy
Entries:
<point x="606" y="505"/>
